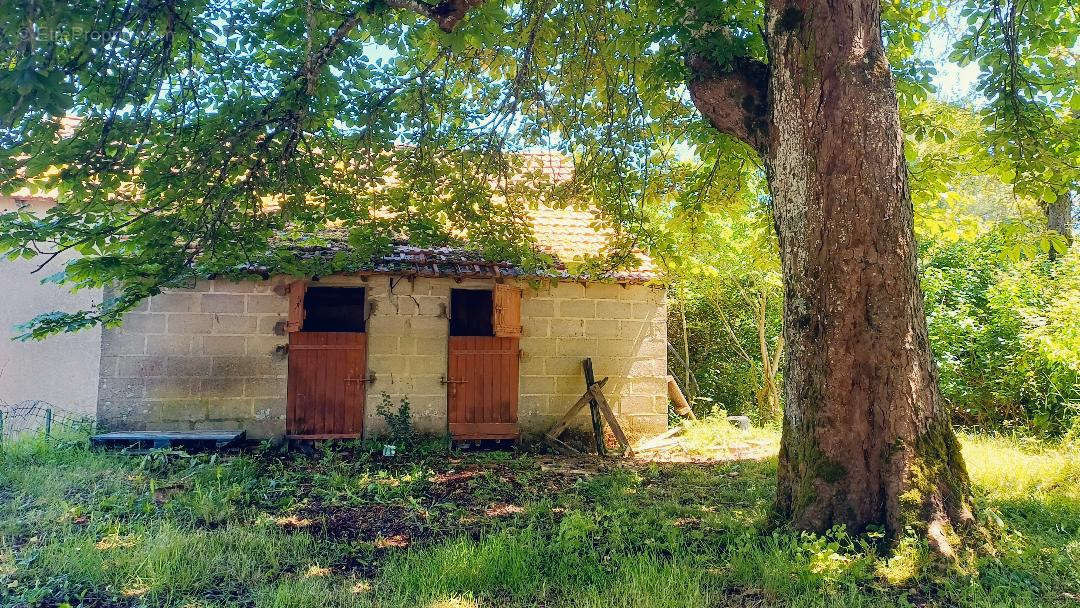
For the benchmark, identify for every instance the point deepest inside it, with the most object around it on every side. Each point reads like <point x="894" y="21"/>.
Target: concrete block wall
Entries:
<point x="407" y="331"/>
<point x="622" y="328"/>
<point x="209" y="357"/>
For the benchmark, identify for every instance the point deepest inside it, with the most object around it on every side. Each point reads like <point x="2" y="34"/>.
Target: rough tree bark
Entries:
<point x="866" y="438"/>
<point x="1059" y="218"/>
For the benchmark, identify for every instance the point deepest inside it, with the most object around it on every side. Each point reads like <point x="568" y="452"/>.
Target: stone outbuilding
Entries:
<point x="479" y="349"/>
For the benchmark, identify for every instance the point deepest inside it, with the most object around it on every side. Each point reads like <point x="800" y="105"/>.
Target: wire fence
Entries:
<point x="39" y="417"/>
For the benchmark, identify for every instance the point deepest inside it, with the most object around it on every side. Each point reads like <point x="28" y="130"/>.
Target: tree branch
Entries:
<point x="733" y="99"/>
<point x="446" y="13"/>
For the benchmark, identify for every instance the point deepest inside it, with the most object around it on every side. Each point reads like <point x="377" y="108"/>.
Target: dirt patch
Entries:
<point x="373" y="523"/>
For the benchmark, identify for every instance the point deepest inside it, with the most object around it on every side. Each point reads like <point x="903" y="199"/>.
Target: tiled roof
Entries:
<point x="566" y="234"/>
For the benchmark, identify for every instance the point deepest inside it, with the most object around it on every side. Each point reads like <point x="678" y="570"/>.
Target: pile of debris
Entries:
<point x="671" y="446"/>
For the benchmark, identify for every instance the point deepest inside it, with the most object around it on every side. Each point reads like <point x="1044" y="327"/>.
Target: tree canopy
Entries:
<point x="209" y="129"/>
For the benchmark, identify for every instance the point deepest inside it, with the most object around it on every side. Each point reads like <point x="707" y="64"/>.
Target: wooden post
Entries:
<point x="682" y="408"/>
<point x="594" y="408"/>
<point x="48" y="421"/>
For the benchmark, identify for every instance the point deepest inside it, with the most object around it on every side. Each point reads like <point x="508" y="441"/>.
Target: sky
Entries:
<point x="953" y="81"/>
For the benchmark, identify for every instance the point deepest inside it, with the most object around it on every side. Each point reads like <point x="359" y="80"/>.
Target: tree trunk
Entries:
<point x="1059" y="218"/>
<point x="866" y="438"/>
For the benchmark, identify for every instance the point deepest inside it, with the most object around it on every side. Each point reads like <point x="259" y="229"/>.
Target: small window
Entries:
<point x="470" y="312"/>
<point x="334" y="309"/>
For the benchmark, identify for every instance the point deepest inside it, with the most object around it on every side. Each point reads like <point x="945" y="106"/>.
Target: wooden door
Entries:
<point x="327" y="382"/>
<point x="483" y="387"/>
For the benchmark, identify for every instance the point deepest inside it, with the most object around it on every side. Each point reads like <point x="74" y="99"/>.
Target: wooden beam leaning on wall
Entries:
<point x="595" y="394"/>
<point x="682" y="407"/>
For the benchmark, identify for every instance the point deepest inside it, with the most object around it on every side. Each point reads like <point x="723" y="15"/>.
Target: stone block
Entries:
<point x="265" y="345"/>
<point x="576" y="309"/>
<point x="604" y="291"/>
<point x="166" y="387"/>
<point x="267" y="303"/>
<point x="537" y="385"/>
<point x="234" y="366"/>
<point x="646" y="311"/>
<point x="234" y="324"/>
<point x="222" y="302"/>
<point x="433" y="306"/>
<point x="175" y="301"/>
<point x="144" y="323"/>
<point x="227" y="286"/>
<point x="569" y="290"/>
<point x="215" y="388"/>
<point x="108" y="366"/>
<point x="190" y="323"/>
<point x="426" y="326"/>
<point x="606" y="328"/>
<point x="538" y="307"/>
<point x="651" y="366"/>
<point x="562" y="366"/>
<point x="220" y="345"/>
<point x="576" y="347"/>
<point x="191" y="410"/>
<point x="537" y="347"/>
<point x="188" y="366"/>
<point x="269" y="408"/>
<point x="406" y="306"/>
<point x="535" y="327"/>
<point x="265" y="387"/>
<point x="272" y="429"/>
<point x="270" y="325"/>
<point x="141" y="366"/>
<point x="570" y="385"/>
<point x="230" y="408"/>
<point x="169" y="344"/>
<point x="531" y="405"/>
<point x="120" y="389"/>
<point x="567" y="328"/>
<point x="608" y="309"/>
<point x="119" y="342"/>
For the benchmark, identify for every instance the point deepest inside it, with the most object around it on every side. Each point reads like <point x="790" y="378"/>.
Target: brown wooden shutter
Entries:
<point x="507" y="311"/>
<point x="296" y="306"/>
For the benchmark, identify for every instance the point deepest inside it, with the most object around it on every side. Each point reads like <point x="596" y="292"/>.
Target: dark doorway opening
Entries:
<point x="334" y="309"/>
<point x="470" y="312"/>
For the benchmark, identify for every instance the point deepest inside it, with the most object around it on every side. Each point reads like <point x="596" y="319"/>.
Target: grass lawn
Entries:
<point x="431" y="529"/>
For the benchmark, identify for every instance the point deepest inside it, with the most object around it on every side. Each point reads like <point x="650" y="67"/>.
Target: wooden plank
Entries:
<point x="616" y="428"/>
<point x="594" y="410"/>
<point x="295" y="320"/>
<point x="292" y="381"/>
<point x="483" y="430"/>
<point x="171" y="435"/>
<point x="316" y="423"/>
<point x="506" y="311"/>
<point x="560" y="446"/>
<point x="339" y="404"/>
<point x="312" y="436"/>
<point x="574" y="409"/>
<point x="682" y="407"/>
<point x="515" y="377"/>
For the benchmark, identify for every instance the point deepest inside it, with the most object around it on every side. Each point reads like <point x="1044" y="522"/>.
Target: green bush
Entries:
<point x="1004" y="334"/>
